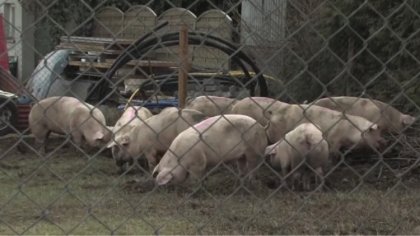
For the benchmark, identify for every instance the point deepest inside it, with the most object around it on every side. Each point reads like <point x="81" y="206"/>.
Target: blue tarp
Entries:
<point x="153" y="105"/>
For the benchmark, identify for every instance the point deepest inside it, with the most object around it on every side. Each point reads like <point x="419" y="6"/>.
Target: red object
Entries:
<point x="7" y="81"/>
<point x="4" y="57"/>
<point x="22" y="116"/>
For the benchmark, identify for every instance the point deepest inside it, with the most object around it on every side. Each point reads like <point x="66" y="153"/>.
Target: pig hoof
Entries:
<point x="21" y="148"/>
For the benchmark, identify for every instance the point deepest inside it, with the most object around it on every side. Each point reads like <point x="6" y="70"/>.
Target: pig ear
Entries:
<point x="111" y="144"/>
<point x="407" y="120"/>
<point x="373" y="127"/>
<point x="164" y="177"/>
<point x="155" y="171"/>
<point x="124" y="140"/>
<point x="270" y="150"/>
<point x="121" y="141"/>
<point x="266" y="127"/>
<point x="98" y="136"/>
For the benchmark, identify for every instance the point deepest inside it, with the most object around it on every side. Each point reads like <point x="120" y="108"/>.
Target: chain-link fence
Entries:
<point x="209" y="117"/>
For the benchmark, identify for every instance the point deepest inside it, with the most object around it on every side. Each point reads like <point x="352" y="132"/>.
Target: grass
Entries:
<point x="70" y="193"/>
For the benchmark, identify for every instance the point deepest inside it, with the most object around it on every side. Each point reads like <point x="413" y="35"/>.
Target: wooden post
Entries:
<point x="184" y="66"/>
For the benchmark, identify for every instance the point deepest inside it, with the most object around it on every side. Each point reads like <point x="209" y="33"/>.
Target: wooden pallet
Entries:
<point x="93" y="56"/>
<point x="95" y="43"/>
<point x="139" y="63"/>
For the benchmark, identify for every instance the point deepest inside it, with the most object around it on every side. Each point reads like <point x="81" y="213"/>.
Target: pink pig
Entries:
<point x="223" y="138"/>
<point x="211" y="105"/>
<point x="68" y="115"/>
<point x="387" y="117"/>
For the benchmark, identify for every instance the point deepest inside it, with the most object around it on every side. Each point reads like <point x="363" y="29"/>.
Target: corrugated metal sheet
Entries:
<point x="263" y="31"/>
<point x="263" y="22"/>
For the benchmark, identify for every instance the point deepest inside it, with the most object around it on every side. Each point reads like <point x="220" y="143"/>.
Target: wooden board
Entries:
<point x="95" y="40"/>
<point x="91" y="44"/>
<point x="108" y="63"/>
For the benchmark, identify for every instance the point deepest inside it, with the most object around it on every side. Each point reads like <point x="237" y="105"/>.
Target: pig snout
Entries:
<point x="378" y="143"/>
<point x="99" y="142"/>
<point x="115" y="154"/>
<point x="381" y="143"/>
<point x="155" y="173"/>
<point x="120" y="156"/>
<point x="119" y="162"/>
<point x="100" y="139"/>
<point x="270" y="153"/>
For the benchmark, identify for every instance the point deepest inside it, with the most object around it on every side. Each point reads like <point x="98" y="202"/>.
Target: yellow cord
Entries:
<point x="131" y="98"/>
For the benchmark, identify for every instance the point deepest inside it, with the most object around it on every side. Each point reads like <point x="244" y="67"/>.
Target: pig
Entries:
<point x="211" y="105"/>
<point x="68" y="115"/>
<point x="388" y="118"/>
<point x="133" y="116"/>
<point x="261" y="109"/>
<point x="223" y="138"/>
<point x="153" y="136"/>
<point x="340" y="130"/>
<point x="305" y="143"/>
<point x="258" y="108"/>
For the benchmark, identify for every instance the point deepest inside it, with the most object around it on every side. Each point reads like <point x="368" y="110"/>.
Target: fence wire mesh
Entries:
<point x="299" y="117"/>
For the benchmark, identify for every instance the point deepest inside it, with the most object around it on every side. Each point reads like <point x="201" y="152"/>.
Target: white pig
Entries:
<point x="133" y="116"/>
<point x="211" y="105"/>
<point x="387" y="117"/>
<point x="306" y="144"/>
<point x="68" y="115"/>
<point x="258" y="108"/>
<point x="153" y="137"/>
<point x="223" y="138"/>
<point x="261" y="109"/>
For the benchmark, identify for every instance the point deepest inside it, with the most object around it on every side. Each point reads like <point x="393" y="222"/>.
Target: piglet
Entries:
<point x="302" y="151"/>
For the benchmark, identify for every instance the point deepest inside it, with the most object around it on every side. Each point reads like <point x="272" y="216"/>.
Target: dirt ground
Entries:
<point x="74" y="193"/>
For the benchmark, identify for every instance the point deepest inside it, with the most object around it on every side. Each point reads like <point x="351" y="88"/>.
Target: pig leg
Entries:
<point x="251" y="163"/>
<point x="241" y="163"/>
<point x="244" y="165"/>
<point x="319" y="175"/>
<point x="41" y="136"/>
<point x="197" y="169"/>
<point x="195" y="176"/>
<point x="151" y="157"/>
<point x="89" y="149"/>
<point x="306" y="180"/>
<point x="284" y="172"/>
<point x="122" y="165"/>
<point x="77" y="137"/>
<point x="296" y="179"/>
